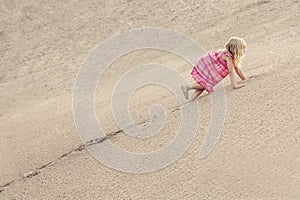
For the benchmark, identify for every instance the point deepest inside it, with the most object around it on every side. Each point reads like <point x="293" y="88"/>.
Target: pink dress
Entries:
<point x="210" y="69"/>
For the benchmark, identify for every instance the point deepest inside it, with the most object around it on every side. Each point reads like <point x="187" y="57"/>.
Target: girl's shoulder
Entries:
<point x="221" y="53"/>
<point x="226" y="53"/>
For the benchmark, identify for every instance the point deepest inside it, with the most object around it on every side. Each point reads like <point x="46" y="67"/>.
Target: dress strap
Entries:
<point x="227" y="53"/>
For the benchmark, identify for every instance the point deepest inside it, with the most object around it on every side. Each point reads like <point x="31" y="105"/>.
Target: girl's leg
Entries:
<point x="196" y="94"/>
<point x="186" y="88"/>
<point x="196" y="86"/>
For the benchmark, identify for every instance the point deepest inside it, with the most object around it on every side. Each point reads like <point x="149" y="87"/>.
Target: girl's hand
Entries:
<point x="239" y="86"/>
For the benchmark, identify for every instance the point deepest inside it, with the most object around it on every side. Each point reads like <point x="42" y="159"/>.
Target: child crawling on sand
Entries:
<point x="214" y="66"/>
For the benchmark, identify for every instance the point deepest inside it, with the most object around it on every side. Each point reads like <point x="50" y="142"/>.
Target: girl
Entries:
<point x="215" y="66"/>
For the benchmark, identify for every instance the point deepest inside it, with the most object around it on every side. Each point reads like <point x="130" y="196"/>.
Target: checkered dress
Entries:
<point x="210" y="69"/>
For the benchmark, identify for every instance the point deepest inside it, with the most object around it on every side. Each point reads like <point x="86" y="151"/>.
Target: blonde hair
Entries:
<point x="237" y="47"/>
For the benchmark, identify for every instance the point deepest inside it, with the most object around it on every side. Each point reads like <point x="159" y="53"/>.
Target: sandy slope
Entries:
<point x="42" y="45"/>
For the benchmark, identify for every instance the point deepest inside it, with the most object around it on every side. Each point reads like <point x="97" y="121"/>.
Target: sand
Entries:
<point x="44" y="43"/>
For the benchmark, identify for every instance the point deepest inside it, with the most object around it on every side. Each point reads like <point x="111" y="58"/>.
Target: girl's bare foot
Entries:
<point x="185" y="91"/>
<point x="196" y="94"/>
<point x="194" y="97"/>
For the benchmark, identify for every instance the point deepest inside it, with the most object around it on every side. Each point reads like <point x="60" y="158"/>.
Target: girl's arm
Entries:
<point x="240" y="73"/>
<point x="234" y="85"/>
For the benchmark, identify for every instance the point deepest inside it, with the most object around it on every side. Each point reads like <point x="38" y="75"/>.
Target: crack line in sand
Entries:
<point x="79" y="148"/>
